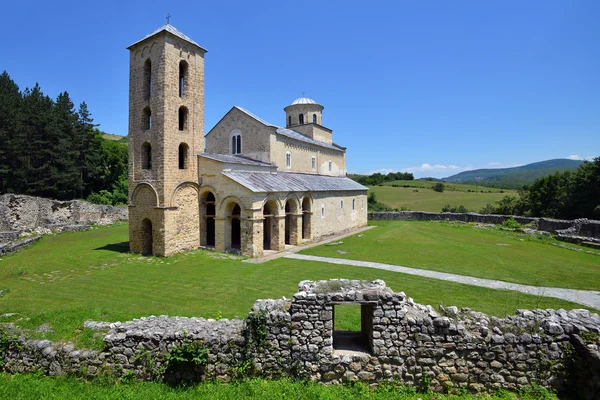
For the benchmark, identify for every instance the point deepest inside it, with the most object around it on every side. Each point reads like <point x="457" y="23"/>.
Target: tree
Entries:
<point x="584" y="191"/>
<point x="10" y="108"/>
<point x="439" y="187"/>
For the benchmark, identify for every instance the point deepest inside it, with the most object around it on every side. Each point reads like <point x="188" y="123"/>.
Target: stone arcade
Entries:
<point x="258" y="187"/>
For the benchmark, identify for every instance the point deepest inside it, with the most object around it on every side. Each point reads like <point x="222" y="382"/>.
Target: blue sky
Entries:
<point x="432" y="87"/>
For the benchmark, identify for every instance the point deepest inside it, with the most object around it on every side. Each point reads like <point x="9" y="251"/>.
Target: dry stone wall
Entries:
<point x="579" y="227"/>
<point x="399" y="340"/>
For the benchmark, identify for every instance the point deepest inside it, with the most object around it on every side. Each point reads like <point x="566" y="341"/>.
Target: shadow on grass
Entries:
<point x="122" y="247"/>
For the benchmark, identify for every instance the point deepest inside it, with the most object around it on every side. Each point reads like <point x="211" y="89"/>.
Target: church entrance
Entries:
<point x="269" y="212"/>
<point x="306" y="218"/>
<point x="236" y="231"/>
<point x="146" y="237"/>
<point x="210" y="219"/>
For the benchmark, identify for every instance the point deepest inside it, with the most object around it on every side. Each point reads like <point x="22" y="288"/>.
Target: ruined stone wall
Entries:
<point x="403" y="341"/>
<point x="20" y="213"/>
<point x="582" y="227"/>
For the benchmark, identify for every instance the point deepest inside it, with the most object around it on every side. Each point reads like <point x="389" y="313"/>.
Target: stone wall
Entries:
<point x="20" y="213"/>
<point x="399" y="340"/>
<point x="580" y="227"/>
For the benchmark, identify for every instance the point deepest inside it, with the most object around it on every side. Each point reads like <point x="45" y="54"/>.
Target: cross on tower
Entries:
<point x="168" y="18"/>
<point x="303" y="93"/>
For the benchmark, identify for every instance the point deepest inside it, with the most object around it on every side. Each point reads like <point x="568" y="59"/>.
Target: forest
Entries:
<point x="48" y="148"/>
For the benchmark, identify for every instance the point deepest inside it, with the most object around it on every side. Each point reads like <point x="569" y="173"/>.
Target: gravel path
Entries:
<point x="588" y="298"/>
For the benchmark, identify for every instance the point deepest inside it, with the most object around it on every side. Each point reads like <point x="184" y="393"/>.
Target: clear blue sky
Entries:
<point x="450" y="84"/>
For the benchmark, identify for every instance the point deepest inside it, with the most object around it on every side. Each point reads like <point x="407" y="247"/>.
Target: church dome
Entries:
<point x="303" y="100"/>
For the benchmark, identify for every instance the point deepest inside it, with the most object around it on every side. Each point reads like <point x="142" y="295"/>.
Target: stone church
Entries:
<point x="256" y="187"/>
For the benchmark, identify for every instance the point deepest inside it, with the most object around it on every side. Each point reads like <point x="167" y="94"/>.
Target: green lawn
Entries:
<point x="460" y="187"/>
<point x="65" y="279"/>
<point x="468" y="250"/>
<point x="35" y="387"/>
<point x="423" y="199"/>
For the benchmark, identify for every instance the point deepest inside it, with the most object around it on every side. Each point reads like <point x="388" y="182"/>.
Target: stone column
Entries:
<point x="220" y="233"/>
<point x="252" y="237"/>
<point x="278" y="233"/>
<point x="296" y="229"/>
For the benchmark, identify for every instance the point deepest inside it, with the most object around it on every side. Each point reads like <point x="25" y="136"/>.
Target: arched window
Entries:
<point x="323" y="211"/>
<point x="288" y="159"/>
<point x="314" y="163"/>
<point x="314" y="118"/>
<point x="353" y="203"/>
<point x="236" y="143"/>
<point x="330" y="166"/>
<point x="183" y="156"/>
<point x="301" y="119"/>
<point x="183" y="77"/>
<point x="290" y="120"/>
<point x="147" y="119"/>
<point x="146" y="156"/>
<point x="183" y="118"/>
<point x="147" y="79"/>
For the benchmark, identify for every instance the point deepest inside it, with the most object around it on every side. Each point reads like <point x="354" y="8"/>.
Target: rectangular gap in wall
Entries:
<point x="353" y="327"/>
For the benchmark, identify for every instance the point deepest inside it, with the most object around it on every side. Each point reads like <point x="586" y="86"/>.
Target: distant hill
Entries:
<point x="516" y="177"/>
<point x="117" y="138"/>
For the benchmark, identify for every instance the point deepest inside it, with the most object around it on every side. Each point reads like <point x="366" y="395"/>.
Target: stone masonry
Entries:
<point x="399" y="340"/>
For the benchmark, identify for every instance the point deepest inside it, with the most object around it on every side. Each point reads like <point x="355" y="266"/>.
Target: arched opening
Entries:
<point x="269" y="228"/>
<point x="147" y="119"/>
<point x="236" y="144"/>
<point x="207" y="217"/>
<point x="183" y="156"/>
<point x="301" y="119"/>
<point x="183" y="118"/>
<point x="146" y="156"/>
<point x="314" y="118"/>
<point x="147" y="237"/>
<point x="183" y="77"/>
<point x="236" y="231"/>
<point x="290" y="120"/>
<point x="306" y="214"/>
<point x="147" y="79"/>
<point x="291" y="223"/>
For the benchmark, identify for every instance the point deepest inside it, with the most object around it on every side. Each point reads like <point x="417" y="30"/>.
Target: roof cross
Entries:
<point x="303" y="93"/>
<point x="168" y="18"/>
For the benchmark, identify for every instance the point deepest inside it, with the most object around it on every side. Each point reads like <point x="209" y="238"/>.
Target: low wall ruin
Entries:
<point x="578" y="227"/>
<point x="398" y="340"/>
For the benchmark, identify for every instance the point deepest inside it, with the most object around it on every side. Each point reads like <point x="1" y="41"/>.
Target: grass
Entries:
<point x="66" y="279"/>
<point x="428" y="200"/>
<point x="465" y="249"/>
<point x="459" y="187"/>
<point x="38" y="387"/>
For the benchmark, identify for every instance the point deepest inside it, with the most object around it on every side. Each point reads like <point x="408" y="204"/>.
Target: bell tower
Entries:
<point x="166" y="131"/>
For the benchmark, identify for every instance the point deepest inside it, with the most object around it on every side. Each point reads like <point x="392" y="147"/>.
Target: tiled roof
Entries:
<point x="298" y="136"/>
<point x="231" y="159"/>
<point x="171" y="29"/>
<point x="303" y="100"/>
<point x="260" y="182"/>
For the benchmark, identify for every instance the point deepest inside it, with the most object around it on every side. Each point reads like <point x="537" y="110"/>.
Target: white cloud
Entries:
<point x="383" y="171"/>
<point x="574" y="157"/>
<point x="494" y="164"/>
<point x="433" y="168"/>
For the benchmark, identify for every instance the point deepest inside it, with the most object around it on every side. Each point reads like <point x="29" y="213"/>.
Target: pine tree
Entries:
<point x="62" y="139"/>
<point x="10" y="108"/>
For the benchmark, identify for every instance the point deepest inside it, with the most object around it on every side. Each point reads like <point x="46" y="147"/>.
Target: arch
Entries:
<point x="306" y="217"/>
<point x="291" y="221"/>
<point x="225" y="203"/>
<point x="147" y="79"/>
<point x="147" y="119"/>
<point x="183" y="156"/>
<point x="288" y="159"/>
<point x="146" y="155"/>
<point x="301" y="119"/>
<point x="153" y="195"/>
<point x="183" y="77"/>
<point x="208" y="211"/>
<point x="183" y="118"/>
<point x="290" y="120"/>
<point x="314" y="118"/>
<point x="278" y="203"/>
<point x="236" y="228"/>
<point x="270" y="211"/>
<point x="181" y="186"/>
<point x="147" y="237"/>
<point x="235" y="138"/>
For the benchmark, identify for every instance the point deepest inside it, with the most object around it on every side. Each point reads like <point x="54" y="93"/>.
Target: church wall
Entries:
<point x="182" y="223"/>
<point x="338" y="219"/>
<point x="255" y="136"/>
<point x="302" y="157"/>
<point x="316" y="132"/>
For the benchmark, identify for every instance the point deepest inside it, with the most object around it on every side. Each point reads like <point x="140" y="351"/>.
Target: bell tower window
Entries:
<point x="183" y="77"/>
<point x="301" y="119"/>
<point x="183" y="118"/>
<point x="147" y="79"/>
<point x="314" y="118"/>
<point x="183" y="156"/>
<point x="290" y="120"/>
<point x="146" y="156"/>
<point x="147" y="119"/>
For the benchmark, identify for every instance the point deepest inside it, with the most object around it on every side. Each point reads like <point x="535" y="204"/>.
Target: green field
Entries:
<point x="66" y="279"/>
<point x="417" y="199"/>
<point x="466" y="249"/>
<point x="459" y="187"/>
<point x="34" y="387"/>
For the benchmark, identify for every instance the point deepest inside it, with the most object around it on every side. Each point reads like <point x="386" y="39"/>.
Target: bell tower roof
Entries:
<point x="173" y="31"/>
<point x="303" y="100"/>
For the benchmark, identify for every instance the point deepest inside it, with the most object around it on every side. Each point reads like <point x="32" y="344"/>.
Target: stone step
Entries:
<point x="594" y="245"/>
